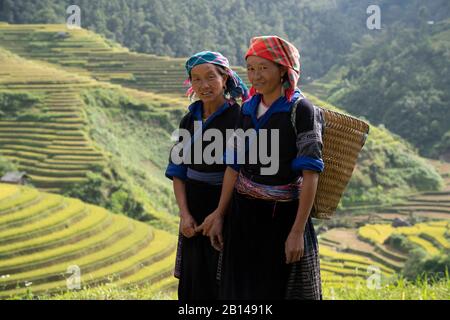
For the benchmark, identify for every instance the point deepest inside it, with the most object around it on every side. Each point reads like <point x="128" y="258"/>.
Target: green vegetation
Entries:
<point x="420" y="289"/>
<point x="399" y="79"/>
<point x="324" y="30"/>
<point x="14" y="103"/>
<point x="6" y="166"/>
<point x="138" y="137"/>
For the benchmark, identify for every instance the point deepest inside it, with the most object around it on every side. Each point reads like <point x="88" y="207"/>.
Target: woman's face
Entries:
<point x="264" y="75"/>
<point x="207" y="82"/>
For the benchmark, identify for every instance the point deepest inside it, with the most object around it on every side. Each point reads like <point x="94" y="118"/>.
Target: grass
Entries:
<point x="400" y="289"/>
<point x="421" y="289"/>
<point x="163" y="290"/>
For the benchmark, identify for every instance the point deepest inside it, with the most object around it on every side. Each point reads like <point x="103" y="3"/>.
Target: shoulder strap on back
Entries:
<point x="294" y="113"/>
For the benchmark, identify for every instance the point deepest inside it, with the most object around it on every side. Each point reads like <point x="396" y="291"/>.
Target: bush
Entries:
<point x="122" y="201"/>
<point x="420" y="264"/>
<point x="412" y="266"/>
<point x="6" y="166"/>
<point x="106" y="192"/>
<point x="13" y="103"/>
<point x="399" y="242"/>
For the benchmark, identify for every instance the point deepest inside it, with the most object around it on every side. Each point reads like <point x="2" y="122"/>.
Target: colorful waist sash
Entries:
<point x="286" y="192"/>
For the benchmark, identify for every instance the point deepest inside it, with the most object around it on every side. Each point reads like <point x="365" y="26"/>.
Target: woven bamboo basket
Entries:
<point x="343" y="140"/>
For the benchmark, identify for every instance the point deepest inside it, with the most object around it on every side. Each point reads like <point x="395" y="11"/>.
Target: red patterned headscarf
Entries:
<point x="280" y="51"/>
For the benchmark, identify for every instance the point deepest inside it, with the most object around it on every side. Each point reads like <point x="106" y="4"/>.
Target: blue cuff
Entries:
<point x="176" y="170"/>
<point x="307" y="163"/>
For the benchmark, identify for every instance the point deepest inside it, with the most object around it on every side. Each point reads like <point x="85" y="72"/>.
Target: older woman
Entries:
<point x="270" y="249"/>
<point x="197" y="184"/>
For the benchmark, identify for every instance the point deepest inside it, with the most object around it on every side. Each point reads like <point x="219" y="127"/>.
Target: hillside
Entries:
<point x="83" y="52"/>
<point x="43" y="234"/>
<point x="398" y="79"/>
<point x="50" y="141"/>
<point x="324" y="30"/>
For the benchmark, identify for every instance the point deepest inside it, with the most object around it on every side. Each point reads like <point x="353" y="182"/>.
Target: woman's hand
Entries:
<point x="212" y="227"/>
<point x="294" y="247"/>
<point x="208" y="223"/>
<point x="187" y="225"/>
<point x="215" y="233"/>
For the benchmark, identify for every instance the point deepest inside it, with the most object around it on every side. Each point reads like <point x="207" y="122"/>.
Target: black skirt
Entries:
<point x="254" y="262"/>
<point x="198" y="259"/>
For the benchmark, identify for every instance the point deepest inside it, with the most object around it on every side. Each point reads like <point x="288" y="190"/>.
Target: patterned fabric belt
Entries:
<point x="286" y="192"/>
<point x="214" y="178"/>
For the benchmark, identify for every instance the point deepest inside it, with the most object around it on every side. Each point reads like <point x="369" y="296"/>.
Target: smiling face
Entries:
<point x="208" y="82"/>
<point x="264" y="75"/>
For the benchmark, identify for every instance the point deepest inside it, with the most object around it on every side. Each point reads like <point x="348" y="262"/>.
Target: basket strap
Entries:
<point x="294" y="113"/>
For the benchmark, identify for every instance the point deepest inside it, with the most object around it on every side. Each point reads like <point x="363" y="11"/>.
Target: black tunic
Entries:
<point x="256" y="230"/>
<point x="197" y="260"/>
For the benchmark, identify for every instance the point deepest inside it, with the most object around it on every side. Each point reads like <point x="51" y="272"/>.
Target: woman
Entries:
<point x="197" y="186"/>
<point x="271" y="249"/>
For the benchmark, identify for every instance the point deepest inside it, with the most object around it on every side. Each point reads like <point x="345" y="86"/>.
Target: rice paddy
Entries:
<point x="43" y="234"/>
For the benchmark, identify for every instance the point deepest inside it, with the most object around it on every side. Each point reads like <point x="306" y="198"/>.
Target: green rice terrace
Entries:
<point x="42" y="234"/>
<point x="90" y="123"/>
<point x="87" y="53"/>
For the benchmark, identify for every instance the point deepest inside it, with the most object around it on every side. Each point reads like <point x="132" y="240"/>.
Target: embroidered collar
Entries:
<point x="196" y="109"/>
<point x="250" y="108"/>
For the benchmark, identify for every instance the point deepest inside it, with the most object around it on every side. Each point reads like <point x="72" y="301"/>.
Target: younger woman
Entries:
<point x="271" y="249"/>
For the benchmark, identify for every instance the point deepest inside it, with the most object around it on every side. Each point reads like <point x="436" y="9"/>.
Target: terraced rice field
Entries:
<point x="350" y="256"/>
<point x="431" y="236"/>
<point x="343" y="247"/>
<point x="87" y="53"/>
<point x="350" y="263"/>
<point x="43" y="234"/>
<point x="54" y="151"/>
